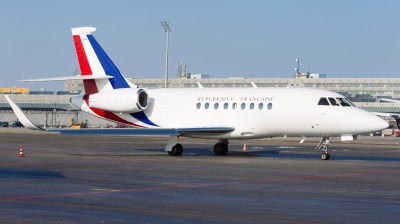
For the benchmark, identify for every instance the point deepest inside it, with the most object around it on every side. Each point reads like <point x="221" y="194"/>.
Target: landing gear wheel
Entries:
<point x="220" y="149"/>
<point x="177" y="150"/>
<point x="225" y="148"/>
<point x="325" y="156"/>
<point x="323" y="145"/>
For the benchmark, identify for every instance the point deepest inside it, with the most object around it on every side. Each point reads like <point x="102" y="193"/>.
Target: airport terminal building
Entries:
<point x="54" y="108"/>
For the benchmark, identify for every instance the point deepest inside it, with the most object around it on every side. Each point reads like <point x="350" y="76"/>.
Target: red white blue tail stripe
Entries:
<point x="94" y="61"/>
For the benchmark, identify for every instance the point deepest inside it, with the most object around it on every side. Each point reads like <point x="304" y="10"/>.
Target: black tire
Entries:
<point x="325" y="156"/>
<point x="219" y="149"/>
<point x="225" y="149"/>
<point x="177" y="150"/>
<point x="172" y="152"/>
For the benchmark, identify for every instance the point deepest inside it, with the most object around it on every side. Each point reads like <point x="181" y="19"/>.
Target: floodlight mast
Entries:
<point x="165" y="24"/>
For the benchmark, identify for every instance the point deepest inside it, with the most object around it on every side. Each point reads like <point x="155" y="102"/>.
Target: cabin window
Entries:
<point x="333" y="101"/>
<point x="206" y="105"/>
<point x="234" y="105"/>
<point x="243" y="106"/>
<point x="343" y="102"/>
<point x="216" y="106"/>
<point x="260" y="106"/>
<point x="198" y="105"/>
<point x="323" y="101"/>
<point x="269" y="106"/>
<point x="251" y="106"/>
<point x="225" y="106"/>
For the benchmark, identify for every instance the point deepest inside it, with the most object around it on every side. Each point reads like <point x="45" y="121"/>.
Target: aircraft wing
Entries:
<point x="141" y="131"/>
<point x="117" y="131"/>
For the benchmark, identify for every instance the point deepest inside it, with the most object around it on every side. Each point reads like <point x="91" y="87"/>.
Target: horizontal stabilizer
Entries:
<point x="83" y="77"/>
<point x="83" y="30"/>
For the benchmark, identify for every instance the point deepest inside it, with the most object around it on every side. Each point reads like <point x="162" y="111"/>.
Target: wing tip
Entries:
<point x="21" y="116"/>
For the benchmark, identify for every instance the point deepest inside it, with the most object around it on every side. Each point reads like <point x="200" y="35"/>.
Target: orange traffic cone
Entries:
<point x="244" y="147"/>
<point x="21" y="151"/>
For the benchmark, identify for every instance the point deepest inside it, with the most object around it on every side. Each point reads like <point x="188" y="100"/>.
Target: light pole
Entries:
<point x="167" y="30"/>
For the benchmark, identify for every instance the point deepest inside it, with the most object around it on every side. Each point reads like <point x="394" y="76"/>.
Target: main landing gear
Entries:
<point x="323" y="145"/>
<point x="221" y="148"/>
<point x="177" y="150"/>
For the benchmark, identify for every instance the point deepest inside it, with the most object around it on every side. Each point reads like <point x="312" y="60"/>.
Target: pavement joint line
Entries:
<point x="101" y="189"/>
<point x="107" y="191"/>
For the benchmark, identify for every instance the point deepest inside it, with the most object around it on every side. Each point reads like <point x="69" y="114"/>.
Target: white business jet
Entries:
<point x="216" y="113"/>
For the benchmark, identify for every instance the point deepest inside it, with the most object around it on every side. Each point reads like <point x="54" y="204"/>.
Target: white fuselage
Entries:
<point x="288" y="112"/>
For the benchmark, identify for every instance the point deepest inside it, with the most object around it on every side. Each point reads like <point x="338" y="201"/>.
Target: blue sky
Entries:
<point x="342" y="39"/>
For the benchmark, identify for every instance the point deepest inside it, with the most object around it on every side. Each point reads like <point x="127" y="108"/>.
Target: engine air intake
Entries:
<point x="142" y="99"/>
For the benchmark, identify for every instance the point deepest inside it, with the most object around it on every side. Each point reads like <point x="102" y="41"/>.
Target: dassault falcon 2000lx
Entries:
<point x="217" y="113"/>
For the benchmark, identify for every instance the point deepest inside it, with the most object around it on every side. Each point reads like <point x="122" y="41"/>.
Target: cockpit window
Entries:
<point x="343" y="102"/>
<point x="333" y="102"/>
<point x="323" y="101"/>
<point x="351" y="103"/>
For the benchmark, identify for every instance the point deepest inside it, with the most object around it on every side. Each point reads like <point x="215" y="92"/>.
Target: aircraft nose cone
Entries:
<point x="366" y="122"/>
<point x="380" y="124"/>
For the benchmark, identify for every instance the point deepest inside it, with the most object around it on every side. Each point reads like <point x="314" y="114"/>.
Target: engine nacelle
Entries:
<point x="120" y="100"/>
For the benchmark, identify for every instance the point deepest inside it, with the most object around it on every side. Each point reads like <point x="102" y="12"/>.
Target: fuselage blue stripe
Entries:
<point x="141" y="116"/>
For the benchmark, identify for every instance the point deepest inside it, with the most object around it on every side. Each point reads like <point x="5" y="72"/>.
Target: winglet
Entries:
<point x="254" y="85"/>
<point x="21" y="116"/>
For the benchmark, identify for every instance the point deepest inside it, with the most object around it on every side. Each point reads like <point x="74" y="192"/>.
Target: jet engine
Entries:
<point x="120" y="100"/>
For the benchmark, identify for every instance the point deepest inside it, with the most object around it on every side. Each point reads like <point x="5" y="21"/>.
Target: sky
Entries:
<point x="220" y="38"/>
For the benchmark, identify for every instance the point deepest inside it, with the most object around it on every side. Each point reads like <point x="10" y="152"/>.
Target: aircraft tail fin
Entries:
<point x="94" y="61"/>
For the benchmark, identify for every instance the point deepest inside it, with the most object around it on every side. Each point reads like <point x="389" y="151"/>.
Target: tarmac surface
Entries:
<point x="122" y="179"/>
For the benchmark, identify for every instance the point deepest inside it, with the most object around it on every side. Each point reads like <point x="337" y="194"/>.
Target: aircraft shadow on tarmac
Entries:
<point x="274" y="153"/>
<point x="317" y="155"/>
<point x="29" y="173"/>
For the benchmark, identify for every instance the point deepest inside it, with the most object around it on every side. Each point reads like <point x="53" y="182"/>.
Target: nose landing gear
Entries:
<point x="325" y="156"/>
<point x="323" y="145"/>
